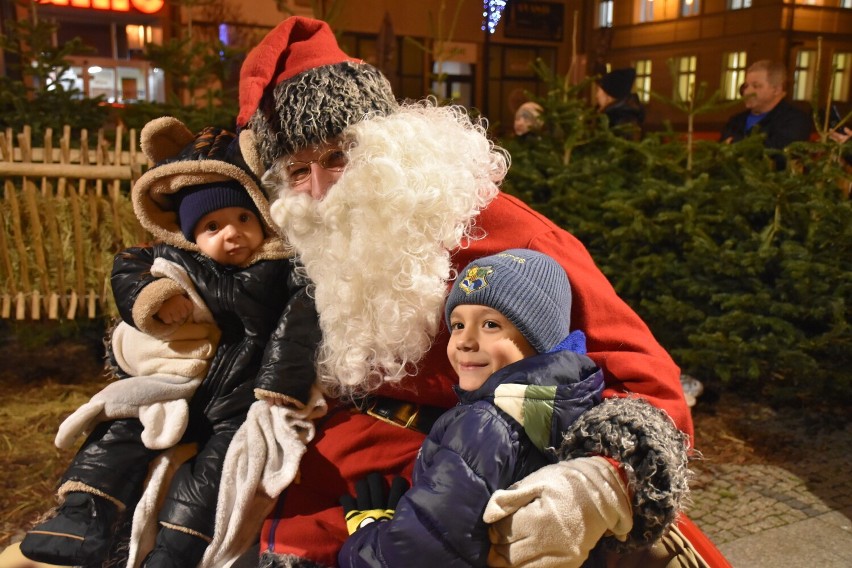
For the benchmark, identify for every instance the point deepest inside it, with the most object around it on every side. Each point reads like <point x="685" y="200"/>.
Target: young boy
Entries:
<point x="523" y="380"/>
<point x="212" y="221"/>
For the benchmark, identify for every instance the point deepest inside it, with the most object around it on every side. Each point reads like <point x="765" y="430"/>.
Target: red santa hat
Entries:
<point x="298" y="88"/>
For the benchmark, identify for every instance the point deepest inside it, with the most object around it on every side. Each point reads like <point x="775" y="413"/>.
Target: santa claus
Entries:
<point x="383" y="202"/>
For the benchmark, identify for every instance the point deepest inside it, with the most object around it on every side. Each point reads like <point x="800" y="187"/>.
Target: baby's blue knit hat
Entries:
<point x="196" y="201"/>
<point x="526" y="286"/>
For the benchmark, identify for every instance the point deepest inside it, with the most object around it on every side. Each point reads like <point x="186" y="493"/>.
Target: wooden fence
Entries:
<point x="65" y="212"/>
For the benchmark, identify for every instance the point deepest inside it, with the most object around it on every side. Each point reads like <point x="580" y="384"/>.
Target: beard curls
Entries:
<point x="377" y="246"/>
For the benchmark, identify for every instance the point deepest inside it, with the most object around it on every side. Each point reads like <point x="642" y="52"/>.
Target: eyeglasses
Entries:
<point x="333" y="160"/>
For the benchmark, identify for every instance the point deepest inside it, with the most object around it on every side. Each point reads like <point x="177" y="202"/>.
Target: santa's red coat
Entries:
<point x="308" y="521"/>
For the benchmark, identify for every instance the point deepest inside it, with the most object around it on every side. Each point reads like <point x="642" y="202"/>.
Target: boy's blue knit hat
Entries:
<point x="196" y="201"/>
<point x="528" y="287"/>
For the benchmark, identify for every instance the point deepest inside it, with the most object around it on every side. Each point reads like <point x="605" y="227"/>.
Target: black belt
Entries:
<point x="419" y="417"/>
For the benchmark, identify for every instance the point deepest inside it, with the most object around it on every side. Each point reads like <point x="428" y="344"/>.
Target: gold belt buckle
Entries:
<point x="404" y="415"/>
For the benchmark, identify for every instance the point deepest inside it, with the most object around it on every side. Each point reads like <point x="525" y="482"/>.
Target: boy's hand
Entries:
<point x="176" y="309"/>
<point x="371" y="503"/>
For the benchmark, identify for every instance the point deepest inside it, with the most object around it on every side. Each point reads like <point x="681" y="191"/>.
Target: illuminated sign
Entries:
<point x="534" y="20"/>
<point x="459" y="51"/>
<point x="144" y="6"/>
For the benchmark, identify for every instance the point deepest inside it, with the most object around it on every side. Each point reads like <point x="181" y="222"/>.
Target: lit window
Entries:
<point x="733" y="74"/>
<point x="841" y="65"/>
<point x="685" y="77"/>
<point x="846" y="3"/>
<point x="140" y="36"/>
<point x="738" y="4"/>
<point x="102" y="82"/>
<point x="604" y="14"/>
<point x="646" y="10"/>
<point x="131" y="84"/>
<point x="69" y="79"/>
<point x="643" y="79"/>
<point x="690" y="7"/>
<point x="803" y="75"/>
<point x="454" y="82"/>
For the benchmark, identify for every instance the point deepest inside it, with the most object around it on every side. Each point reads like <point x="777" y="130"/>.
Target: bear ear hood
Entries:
<point x="182" y="159"/>
<point x="164" y="138"/>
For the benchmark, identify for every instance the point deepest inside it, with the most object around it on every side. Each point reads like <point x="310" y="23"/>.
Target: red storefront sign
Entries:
<point x="144" y="6"/>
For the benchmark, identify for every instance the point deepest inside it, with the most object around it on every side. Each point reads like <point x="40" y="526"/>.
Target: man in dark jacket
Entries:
<point x="614" y="98"/>
<point x="767" y="111"/>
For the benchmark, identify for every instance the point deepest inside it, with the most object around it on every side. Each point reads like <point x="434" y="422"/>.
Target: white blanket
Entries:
<point x="262" y="460"/>
<point x="163" y="374"/>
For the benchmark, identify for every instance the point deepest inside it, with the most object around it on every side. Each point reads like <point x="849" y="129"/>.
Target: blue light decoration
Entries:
<point x="492" y="10"/>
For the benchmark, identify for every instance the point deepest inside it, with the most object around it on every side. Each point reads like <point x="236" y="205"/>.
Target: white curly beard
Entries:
<point x="377" y="246"/>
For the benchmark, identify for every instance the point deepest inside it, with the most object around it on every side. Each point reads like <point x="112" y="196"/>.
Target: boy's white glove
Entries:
<point x="556" y="515"/>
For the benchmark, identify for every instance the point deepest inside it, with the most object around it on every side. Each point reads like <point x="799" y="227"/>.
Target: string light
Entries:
<point x="492" y="10"/>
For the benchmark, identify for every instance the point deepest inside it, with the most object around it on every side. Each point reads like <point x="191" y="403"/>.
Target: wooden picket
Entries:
<point x="65" y="212"/>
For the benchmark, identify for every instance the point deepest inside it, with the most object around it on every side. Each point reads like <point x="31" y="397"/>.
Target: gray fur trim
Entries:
<point x="317" y="105"/>
<point x="652" y="452"/>
<point x="272" y="560"/>
<point x="249" y="150"/>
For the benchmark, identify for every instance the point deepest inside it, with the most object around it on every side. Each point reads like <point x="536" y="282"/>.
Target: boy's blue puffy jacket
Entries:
<point x="473" y="450"/>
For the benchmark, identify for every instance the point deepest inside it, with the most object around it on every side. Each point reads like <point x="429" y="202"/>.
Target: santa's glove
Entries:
<point x="556" y="515"/>
<point x="652" y="454"/>
<point x="371" y="502"/>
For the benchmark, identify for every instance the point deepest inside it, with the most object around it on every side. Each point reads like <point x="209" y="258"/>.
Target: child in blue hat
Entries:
<point x="524" y="380"/>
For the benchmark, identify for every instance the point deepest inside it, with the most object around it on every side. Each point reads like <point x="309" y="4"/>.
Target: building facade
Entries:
<point x="481" y="53"/>
<point x="441" y="47"/>
<point x="115" y="33"/>
<point x="676" y="45"/>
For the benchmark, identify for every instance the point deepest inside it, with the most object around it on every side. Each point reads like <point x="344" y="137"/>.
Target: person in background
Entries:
<point x="841" y="136"/>
<point x="767" y="110"/>
<point x="615" y="98"/>
<point x="527" y="119"/>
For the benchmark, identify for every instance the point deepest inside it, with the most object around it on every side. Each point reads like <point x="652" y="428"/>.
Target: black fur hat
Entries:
<point x="618" y="83"/>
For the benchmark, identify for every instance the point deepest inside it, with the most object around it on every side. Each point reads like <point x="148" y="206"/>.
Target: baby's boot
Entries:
<point x="175" y="549"/>
<point x="80" y="533"/>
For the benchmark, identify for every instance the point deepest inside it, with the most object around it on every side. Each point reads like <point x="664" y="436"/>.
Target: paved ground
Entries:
<point x="795" y="513"/>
